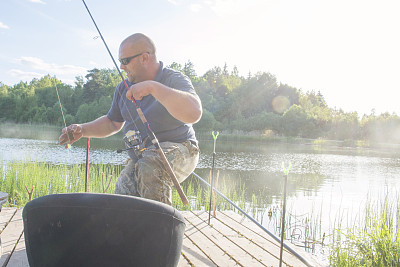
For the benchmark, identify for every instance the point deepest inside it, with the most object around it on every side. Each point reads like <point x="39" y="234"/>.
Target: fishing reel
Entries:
<point x="133" y="141"/>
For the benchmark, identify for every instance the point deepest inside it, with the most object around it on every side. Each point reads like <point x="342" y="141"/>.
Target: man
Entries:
<point x="170" y="105"/>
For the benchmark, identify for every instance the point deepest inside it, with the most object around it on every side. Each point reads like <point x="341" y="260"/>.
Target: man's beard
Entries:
<point x="131" y="78"/>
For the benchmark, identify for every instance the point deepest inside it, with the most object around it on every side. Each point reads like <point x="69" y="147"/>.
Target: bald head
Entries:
<point x="140" y="43"/>
<point x="141" y="52"/>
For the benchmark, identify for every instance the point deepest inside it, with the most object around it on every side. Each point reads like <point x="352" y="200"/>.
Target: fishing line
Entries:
<point x="59" y="102"/>
<point x="116" y="66"/>
<point x="69" y="132"/>
<point x="70" y="137"/>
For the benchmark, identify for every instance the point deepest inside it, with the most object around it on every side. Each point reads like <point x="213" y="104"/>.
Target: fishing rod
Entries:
<point x="71" y="138"/>
<point x="149" y="132"/>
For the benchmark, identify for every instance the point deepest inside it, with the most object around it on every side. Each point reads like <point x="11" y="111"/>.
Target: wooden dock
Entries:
<point x="229" y="240"/>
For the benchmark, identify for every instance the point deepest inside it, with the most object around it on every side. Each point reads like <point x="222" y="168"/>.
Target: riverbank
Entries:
<point x="51" y="132"/>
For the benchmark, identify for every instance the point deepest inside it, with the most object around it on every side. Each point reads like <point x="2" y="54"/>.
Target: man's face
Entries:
<point x="129" y="58"/>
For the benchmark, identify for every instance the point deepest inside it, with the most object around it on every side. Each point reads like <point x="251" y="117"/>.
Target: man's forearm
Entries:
<point x="101" y="127"/>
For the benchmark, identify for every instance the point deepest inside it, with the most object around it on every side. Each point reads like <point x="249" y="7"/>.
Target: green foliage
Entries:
<point x="382" y="128"/>
<point x="4" y="89"/>
<point x="53" y="179"/>
<point x="376" y="243"/>
<point x="207" y="121"/>
<point x="297" y="122"/>
<point x="230" y="103"/>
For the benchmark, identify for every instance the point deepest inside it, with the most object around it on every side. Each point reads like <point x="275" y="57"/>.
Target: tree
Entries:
<point x="345" y="125"/>
<point x="235" y="71"/>
<point x="207" y="121"/>
<point x="7" y="108"/>
<point x="296" y="122"/>
<point x="94" y="86"/>
<point x="4" y="90"/>
<point x="175" y="66"/>
<point x="189" y="71"/>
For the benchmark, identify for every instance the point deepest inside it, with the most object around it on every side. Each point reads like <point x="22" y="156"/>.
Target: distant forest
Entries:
<point x="255" y="104"/>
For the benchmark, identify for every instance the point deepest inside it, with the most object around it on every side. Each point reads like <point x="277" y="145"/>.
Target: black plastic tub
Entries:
<point x="86" y="229"/>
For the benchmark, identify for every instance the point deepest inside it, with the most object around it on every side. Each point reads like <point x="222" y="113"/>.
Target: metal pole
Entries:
<point x="212" y="174"/>
<point x="87" y="165"/>
<point x="283" y="219"/>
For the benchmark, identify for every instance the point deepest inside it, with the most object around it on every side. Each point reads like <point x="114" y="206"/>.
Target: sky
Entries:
<point x="349" y="50"/>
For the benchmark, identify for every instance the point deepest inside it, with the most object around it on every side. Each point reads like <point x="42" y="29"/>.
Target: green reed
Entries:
<point x="198" y="195"/>
<point x="18" y="177"/>
<point x="375" y="241"/>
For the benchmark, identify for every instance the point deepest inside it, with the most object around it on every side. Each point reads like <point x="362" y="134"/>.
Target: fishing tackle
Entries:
<point x="134" y="141"/>
<point x="149" y="132"/>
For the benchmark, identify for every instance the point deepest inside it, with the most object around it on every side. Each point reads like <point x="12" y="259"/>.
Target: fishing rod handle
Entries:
<point x="141" y="116"/>
<point x="164" y="159"/>
<point x="171" y="173"/>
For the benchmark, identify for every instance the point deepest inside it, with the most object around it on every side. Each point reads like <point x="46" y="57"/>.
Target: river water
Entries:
<point x="324" y="183"/>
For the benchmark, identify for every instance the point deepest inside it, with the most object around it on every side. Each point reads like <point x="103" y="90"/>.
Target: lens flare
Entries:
<point x="280" y="104"/>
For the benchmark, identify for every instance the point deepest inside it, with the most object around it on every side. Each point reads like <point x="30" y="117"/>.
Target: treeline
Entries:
<point x="256" y="103"/>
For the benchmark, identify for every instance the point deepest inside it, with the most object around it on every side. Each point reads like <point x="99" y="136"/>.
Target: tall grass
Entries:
<point x="375" y="242"/>
<point x="17" y="177"/>
<point x="199" y="195"/>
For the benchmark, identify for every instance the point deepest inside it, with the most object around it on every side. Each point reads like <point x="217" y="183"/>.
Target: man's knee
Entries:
<point x="153" y="181"/>
<point x="127" y="182"/>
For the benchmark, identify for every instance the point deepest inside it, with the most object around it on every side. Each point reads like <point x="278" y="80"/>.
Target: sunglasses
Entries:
<point x="126" y="60"/>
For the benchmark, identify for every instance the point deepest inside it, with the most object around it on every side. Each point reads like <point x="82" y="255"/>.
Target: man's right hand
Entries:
<point x="70" y="134"/>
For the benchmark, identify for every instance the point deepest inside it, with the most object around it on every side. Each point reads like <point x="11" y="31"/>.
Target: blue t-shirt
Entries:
<point x="164" y="126"/>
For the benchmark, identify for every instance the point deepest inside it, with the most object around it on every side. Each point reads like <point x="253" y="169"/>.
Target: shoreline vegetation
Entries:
<point x="257" y="104"/>
<point x="373" y="240"/>
<point x="51" y="132"/>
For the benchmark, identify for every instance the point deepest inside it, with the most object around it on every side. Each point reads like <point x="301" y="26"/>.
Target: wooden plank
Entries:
<point x="215" y="246"/>
<point x="208" y="242"/>
<point x="252" y="254"/>
<point x="228" y="241"/>
<point x="19" y="257"/>
<point x="193" y="254"/>
<point x="5" y="217"/>
<point x="183" y="261"/>
<point x="259" y="241"/>
<point x="3" y="196"/>
<point x="9" y="237"/>
<point x="260" y="237"/>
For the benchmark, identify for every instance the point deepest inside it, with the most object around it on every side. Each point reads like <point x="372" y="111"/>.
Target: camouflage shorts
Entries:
<point x="147" y="176"/>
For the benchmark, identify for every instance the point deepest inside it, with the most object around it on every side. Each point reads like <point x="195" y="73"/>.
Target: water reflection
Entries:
<point x="258" y="167"/>
<point x="50" y="151"/>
